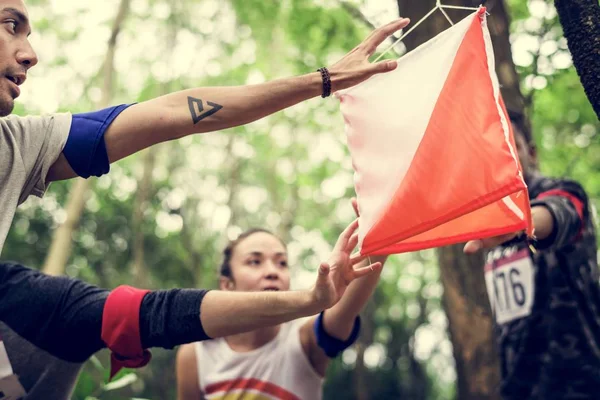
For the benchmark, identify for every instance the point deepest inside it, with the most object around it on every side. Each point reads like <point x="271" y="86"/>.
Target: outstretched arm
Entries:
<point x="71" y="319"/>
<point x="229" y="313"/>
<point x="214" y="108"/>
<point x="559" y="215"/>
<point x="340" y="321"/>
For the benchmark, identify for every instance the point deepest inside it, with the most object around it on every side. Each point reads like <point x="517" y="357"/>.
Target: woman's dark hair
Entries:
<point x="519" y="120"/>
<point x="225" y="268"/>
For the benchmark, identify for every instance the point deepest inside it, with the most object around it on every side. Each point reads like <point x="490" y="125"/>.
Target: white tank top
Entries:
<point x="278" y="370"/>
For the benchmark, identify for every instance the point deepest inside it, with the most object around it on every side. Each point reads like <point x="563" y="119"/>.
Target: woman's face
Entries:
<point x="259" y="262"/>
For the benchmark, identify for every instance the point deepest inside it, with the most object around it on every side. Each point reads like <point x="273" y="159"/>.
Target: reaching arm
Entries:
<point x="543" y="224"/>
<point x="340" y="321"/>
<point x="228" y="313"/>
<point x="72" y="320"/>
<point x="214" y="108"/>
<point x="559" y="214"/>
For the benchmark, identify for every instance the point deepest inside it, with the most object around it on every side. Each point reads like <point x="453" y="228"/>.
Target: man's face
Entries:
<point x="16" y="54"/>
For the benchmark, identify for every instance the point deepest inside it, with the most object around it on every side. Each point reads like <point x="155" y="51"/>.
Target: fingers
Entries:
<point x="348" y="232"/>
<point x="356" y="258"/>
<point x="383" y="66"/>
<point x="474" y="246"/>
<point x="353" y="242"/>
<point x="369" y="269"/>
<point x="380" y="34"/>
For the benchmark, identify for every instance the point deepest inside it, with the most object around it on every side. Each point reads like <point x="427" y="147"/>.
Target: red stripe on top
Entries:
<point x="523" y="253"/>
<point x="578" y="204"/>
<point x="251" y="384"/>
<point x="574" y="200"/>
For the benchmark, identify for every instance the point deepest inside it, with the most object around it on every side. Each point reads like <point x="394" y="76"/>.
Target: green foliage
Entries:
<point x="290" y="172"/>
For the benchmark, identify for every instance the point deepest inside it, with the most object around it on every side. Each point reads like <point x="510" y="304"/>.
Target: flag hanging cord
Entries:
<point x="438" y="6"/>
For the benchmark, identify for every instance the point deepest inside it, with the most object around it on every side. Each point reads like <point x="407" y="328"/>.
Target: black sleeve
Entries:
<point x="581" y="24"/>
<point x="568" y="204"/>
<point x="171" y="317"/>
<point x="63" y="316"/>
<point x="60" y="315"/>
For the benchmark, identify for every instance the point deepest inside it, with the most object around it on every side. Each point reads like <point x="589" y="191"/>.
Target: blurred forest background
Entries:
<point x="161" y="218"/>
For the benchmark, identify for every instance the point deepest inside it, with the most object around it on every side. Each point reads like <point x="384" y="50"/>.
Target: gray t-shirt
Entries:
<point x="28" y="148"/>
<point x="43" y="376"/>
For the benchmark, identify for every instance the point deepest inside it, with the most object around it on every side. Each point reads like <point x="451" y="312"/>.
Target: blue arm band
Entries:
<point x="330" y="345"/>
<point x="85" y="149"/>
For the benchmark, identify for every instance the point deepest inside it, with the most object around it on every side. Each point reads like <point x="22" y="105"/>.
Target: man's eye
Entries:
<point x="254" y="262"/>
<point x="13" y="25"/>
<point x="283" y="263"/>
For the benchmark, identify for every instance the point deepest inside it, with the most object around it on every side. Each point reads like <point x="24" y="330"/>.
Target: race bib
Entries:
<point x="510" y="286"/>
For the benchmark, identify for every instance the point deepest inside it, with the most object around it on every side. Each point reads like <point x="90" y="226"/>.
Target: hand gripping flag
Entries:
<point x="432" y="148"/>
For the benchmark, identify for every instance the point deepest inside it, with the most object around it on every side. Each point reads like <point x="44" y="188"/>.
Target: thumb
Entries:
<point x="323" y="273"/>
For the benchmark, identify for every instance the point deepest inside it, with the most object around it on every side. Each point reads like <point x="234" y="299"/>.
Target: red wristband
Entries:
<point x="121" y="329"/>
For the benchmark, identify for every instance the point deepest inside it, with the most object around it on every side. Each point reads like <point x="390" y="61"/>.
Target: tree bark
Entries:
<point x="581" y="24"/>
<point x="465" y="299"/>
<point x="140" y="276"/>
<point x="365" y="339"/>
<point x="61" y="246"/>
<point x="470" y="324"/>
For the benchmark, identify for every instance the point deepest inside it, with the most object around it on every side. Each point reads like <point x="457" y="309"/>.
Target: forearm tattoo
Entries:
<point x="198" y="111"/>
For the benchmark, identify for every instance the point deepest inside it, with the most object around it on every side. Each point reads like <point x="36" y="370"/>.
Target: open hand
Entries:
<point x="355" y="66"/>
<point x="336" y="274"/>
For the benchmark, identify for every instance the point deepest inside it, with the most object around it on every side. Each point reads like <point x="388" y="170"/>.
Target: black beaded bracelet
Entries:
<point x="326" y="82"/>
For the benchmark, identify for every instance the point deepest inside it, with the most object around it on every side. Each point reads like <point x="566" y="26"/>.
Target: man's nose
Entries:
<point x="26" y="56"/>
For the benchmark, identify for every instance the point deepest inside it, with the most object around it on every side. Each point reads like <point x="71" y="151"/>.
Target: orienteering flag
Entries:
<point x="432" y="148"/>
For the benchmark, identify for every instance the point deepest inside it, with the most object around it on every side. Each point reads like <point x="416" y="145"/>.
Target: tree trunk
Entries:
<point x="470" y="324"/>
<point x="61" y="246"/>
<point x="140" y="277"/>
<point x="365" y="339"/>
<point x="581" y="23"/>
<point x="465" y="299"/>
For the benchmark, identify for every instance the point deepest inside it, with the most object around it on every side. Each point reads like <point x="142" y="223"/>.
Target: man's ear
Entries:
<point x="226" y="283"/>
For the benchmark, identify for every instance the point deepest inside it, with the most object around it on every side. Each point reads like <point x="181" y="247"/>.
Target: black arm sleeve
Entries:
<point x="568" y="223"/>
<point x="60" y="315"/>
<point x="581" y="24"/>
<point x="171" y="317"/>
<point x="63" y="316"/>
